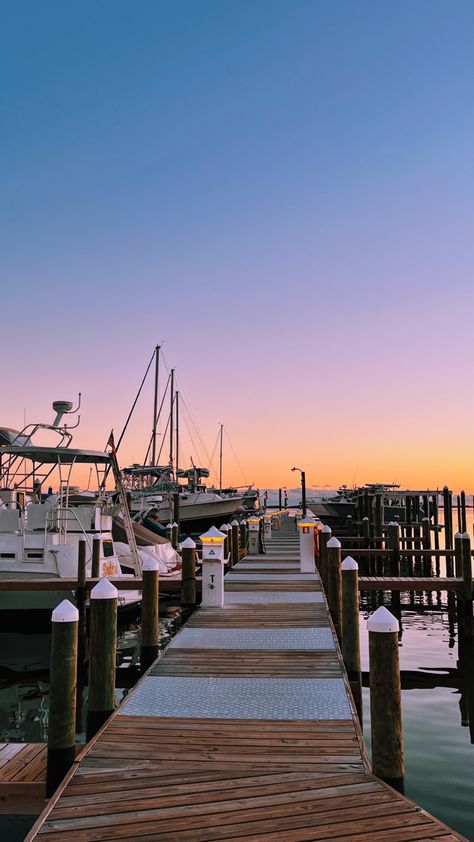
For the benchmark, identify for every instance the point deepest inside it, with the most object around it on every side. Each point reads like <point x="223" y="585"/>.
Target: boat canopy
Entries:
<point x="56" y="455"/>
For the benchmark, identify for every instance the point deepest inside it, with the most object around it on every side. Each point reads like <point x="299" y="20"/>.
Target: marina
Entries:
<point x="266" y="742"/>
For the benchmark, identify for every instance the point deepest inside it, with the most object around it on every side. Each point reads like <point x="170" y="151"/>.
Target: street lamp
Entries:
<point x="303" y="490"/>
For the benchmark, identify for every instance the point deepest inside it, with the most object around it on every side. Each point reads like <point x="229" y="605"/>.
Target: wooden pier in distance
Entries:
<point x="244" y="729"/>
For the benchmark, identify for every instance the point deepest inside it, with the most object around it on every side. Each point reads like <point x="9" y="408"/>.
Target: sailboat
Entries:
<point x="153" y="487"/>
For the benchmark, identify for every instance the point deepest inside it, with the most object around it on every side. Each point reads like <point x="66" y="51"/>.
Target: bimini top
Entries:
<point x="56" y="455"/>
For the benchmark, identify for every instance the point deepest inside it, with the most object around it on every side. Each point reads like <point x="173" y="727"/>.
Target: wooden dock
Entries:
<point x="245" y="729"/>
<point x="22" y="777"/>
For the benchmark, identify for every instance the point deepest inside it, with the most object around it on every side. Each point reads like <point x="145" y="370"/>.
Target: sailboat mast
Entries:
<point x="172" y="418"/>
<point x="177" y="434"/>
<point x="155" y="405"/>
<point x="220" y="460"/>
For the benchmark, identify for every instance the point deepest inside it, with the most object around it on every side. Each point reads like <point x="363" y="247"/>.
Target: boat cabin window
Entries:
<point x="108" y="549"/>
<point x="7" y="555"/>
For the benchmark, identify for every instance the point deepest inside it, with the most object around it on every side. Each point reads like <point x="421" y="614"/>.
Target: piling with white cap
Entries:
<point x="234" y="525"/>
<point x="385" y="698"/>
<point x="103" y="645"/>
<point x="306" y="526"/>
<point x="62" y="694"/>
<point x="175" y="535"/>
<point x="188" y="572"/>
<point x="350" y="618"/>
<point x="324" y="537"/>
<point x="225" y="531"/>
<point x="169" y="530"/>
<point x="334" y="591"/>
<point x="212" y="568"/>
<point x="150" y="630"/>
<point x="243" y="532"/>
<point x="81" y="607"/>
<point x="394" y="546"/>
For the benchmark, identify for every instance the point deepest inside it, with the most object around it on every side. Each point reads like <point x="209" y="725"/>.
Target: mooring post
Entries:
<point x="350" y="618"/>
<point x="81" y="607"/>
<point x="150" y="630"/>
<point x="243" y="534"/>
<point x="62" y="694"/>
<point x="188" y="574"/>
<point x="427" y="560"/>
<point x="458" y="565"/>
<point x="235" y="542"/>
<point x="102" y="658"/>
<point x="463" y="512"/>
<point x="333" y="559"/>
<point x="394" y="545"/>
<point x="225" y="530"/>
<point x="324" y="537"/>
<point x="95" y="570"/>
<point x="169" y="530"/>
<point x="174" y="535"/>
<point x="467" y="575"/>
<point x="176" y="512"/>
<point x="385" y="698"/>
<point x="448" y="527"/>
<point x="253" y="524"/>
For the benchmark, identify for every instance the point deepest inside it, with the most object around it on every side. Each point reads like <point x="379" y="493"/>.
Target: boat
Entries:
<point x="348" y="502"/>
<point x="40" y="529"/>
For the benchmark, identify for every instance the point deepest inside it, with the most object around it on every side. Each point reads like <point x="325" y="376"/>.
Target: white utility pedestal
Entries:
<point x="306" y="527"/>
<point x="267" y="527"/>
<point x="212" y="568"/>
<point x="254" y="528"/>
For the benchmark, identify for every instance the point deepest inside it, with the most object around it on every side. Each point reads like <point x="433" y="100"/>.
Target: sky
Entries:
<point x="278" y="192"/>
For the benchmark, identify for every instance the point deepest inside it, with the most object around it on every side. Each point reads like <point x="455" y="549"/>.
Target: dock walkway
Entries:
<point x="245" y="729"/>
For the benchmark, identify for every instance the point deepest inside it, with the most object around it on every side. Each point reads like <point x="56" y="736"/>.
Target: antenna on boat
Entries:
<point x="155" y="404"/>
<point x="220" y="458"/>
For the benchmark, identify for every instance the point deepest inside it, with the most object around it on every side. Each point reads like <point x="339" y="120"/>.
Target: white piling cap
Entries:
<point x="466" y="535"/>
<point x="169" y="526"/>
<point x="349" y="563"/>
<point x="188" y="544"/>
<point x="234" y="522"/>
<point x="174" y="525"/>
<point x="151" y="563"/>
<point x="425" y="518"/>
<point x="394" y="522"/>
<point x="104" y="590"/>
<point x="333" y="542"/>
<point x="365" y="518"/>
<point x="458" y="536"/>
<point x="382" y="621"/>
<point x="326" y="528"/>
<point x="65" y="612"/>
<point x="224" y="527"/>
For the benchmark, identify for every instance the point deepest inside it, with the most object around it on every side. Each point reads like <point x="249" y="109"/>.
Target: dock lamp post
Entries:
<point x="303" y="490"/>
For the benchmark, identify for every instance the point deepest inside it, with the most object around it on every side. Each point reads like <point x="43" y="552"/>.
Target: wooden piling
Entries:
<point x="243" y="534"/>
<point x="334" y="593"/>
<point x="103" y="644"/>
<point x="81" y="607"/>
<point x="188" y="575"/>
<point x="463" y="512"/>
<point x="150" y="630"/>
<point x="458" y="561"/>
<point x="234" y="524"/>
<point x="175" y="535"/>
<point x="62" y="694"/>
<point x="385" y="698"/>
<point x="324" y="537"/>
<point x="394" y="546"/>
<point x="426" y="544"/>
<point x="95" y="558"/>
<point x="467" y="574"/>
<point x="350" y="618"/>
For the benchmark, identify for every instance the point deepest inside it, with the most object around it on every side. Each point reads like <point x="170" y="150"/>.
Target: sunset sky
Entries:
<point x="280" y="193"/>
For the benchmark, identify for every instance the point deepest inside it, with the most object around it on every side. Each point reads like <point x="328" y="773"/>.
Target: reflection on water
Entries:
<point x="437" y="706"/>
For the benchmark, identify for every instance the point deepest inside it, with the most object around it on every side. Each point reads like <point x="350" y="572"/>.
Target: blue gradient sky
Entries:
<point x="281" y="191"/>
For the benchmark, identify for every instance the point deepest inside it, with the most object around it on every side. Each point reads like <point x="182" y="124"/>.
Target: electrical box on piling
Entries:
<point x="306" y="526"/>
<point x="212" y="568"/>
